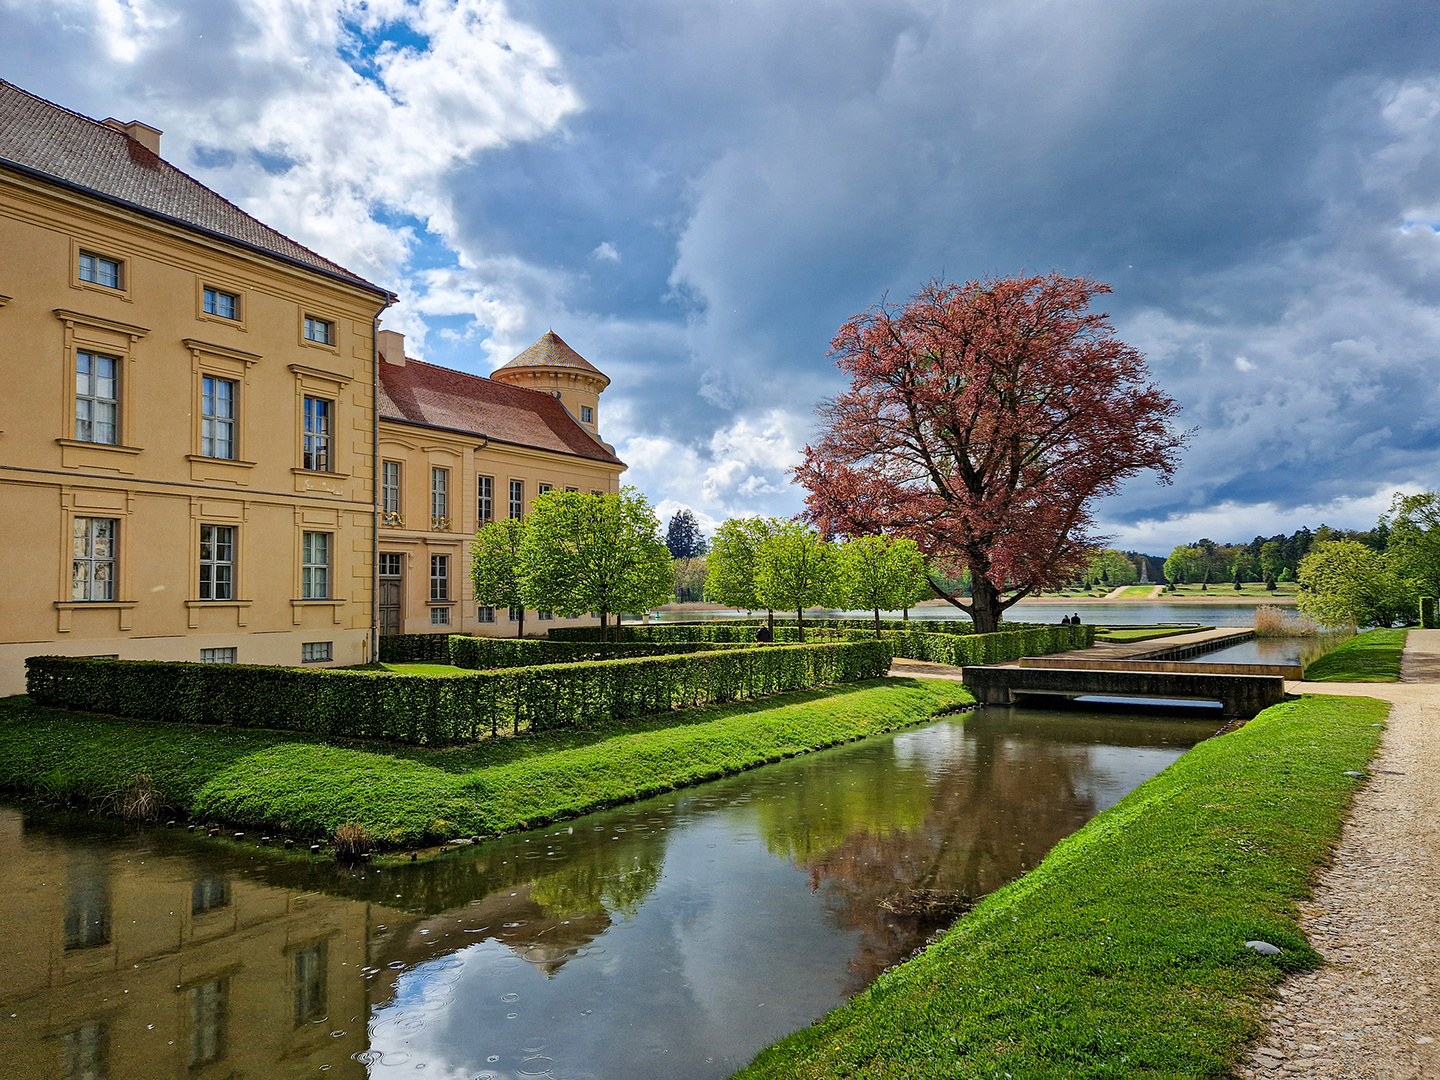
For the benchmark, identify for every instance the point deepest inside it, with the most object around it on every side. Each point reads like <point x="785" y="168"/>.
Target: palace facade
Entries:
<point x="189" y="425"/>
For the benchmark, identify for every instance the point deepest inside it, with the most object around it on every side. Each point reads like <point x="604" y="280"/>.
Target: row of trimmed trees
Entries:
<point x="770" y="565"/>
<point x="574" y="553"/>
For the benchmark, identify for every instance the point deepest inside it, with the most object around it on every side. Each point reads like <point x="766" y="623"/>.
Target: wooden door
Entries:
<point x="389" y="605"/>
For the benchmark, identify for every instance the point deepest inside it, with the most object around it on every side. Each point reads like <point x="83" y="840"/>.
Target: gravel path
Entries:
<point x="1373" y="1010"/>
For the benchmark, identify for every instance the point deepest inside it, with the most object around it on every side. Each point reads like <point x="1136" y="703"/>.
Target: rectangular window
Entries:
<point x="315" y="567"/>
<point x="208" y="1006"/>
<point x="545" y="615"/>
<point x="440" y="500"/>
<point x="587" y="414"/>
<point x="316" y="652"/>
<point x="517" y="498"/>
<point x="209" y="894"/>
<point x="217" y="417"/>
<point x="390" y="489"/>
<point x="218" y="656"/>
<point x="515" y="614"/>
<point x="85" y="1052"/>
<point x="390" y="564"/>
<point x="317" y="434"/>
<point x="93" y="561"/>
<point x="543" y="488"/>
<point x="485" y="615"/>
<point x="87" y="903"/>
<point x="597" y="492"/>
<point x="97" y="398"/>
<point x="485" y="499"/>
<point x="439" y="577"/>
<point x="217" y="562"/>
<point x="439" y="616"/>
<point x="319" y="330"/>
<point x="99" y="270"/>
<point x="225" y="305"/>
<point x="572" y="491"/>
<point x="310" y="967"/>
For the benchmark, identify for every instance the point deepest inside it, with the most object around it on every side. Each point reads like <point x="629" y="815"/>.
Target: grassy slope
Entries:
<point x="404" y="794"/>
<point x="1122" y="954"/>
<point x="1373" y="656"/>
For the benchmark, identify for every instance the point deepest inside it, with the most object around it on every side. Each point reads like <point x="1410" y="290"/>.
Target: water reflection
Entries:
<point x="670" y="938"/>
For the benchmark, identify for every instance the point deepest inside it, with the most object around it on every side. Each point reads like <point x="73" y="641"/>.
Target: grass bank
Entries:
<point x="1122" y="954"/>
<point x="407" y="795"/>
<point x="1373" y="656"/>
<point x="1144" y="633"/>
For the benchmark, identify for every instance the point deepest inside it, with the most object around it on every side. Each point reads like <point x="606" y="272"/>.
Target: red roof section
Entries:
<point x="442" y="397"/>
<point x="551" y="351"/>
<point x="43" y="137"/>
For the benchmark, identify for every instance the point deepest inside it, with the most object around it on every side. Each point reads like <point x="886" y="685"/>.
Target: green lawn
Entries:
<point x="1122" y="955"/>
<point x="1251" y="590"/>
<point x="1373" y="656"/>
<point x="406" y="795"/>
<point x="1137" y="592"/>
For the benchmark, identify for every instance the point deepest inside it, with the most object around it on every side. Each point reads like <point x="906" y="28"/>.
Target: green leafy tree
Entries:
<point x="730" y="565"/>
<point x="1413" y="535"/>
<point x="882" y="573"/>
<point x="495" y="567"/>
<point x="597" y="553"/>
<point x="1272" y="562"/>
<point x="1112" y="568"/>
<point x="1184" y="565"/>
<point x="796" y="569"/>
<point x="1345" y="582"/>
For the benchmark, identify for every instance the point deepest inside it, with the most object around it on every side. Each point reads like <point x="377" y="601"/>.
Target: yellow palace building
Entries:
<point x="189" y="427"/>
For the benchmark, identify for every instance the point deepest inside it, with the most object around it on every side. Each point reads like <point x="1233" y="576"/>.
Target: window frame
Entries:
<point x="93" y="397"/>
<point x="309" y="320"/>
<point x="215" y="293"/>
<point x="122" y="272"/>
<point x="392" y="493"/>
<point x="213" y="417"/>
<point x="439" y="499"/>
<point x="316" y="447"/>
<point x="485" y="614"/>
<point x="440" y="615"/>
<point x="329" y="648"/>
<point x="517" y="499"/>
<point x="484" y="500"/>
<point x="91" y="560"/>
<point x="213" y="658"/>
<point x="587" y="414"/>
<point x="440" y="583"/>
<point x="212" y="584"/>
<point x="310" y="570"/>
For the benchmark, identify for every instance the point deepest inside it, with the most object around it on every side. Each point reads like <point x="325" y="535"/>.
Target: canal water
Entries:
<point x="670" y="938"/>
<point x="1130" y="613"/>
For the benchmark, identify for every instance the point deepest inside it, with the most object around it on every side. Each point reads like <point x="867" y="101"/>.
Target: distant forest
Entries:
<point x="1265" y="558"/>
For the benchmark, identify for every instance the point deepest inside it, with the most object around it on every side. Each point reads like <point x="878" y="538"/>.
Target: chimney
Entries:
<point x="392" y="347"/>
<point x="144" y="134"/>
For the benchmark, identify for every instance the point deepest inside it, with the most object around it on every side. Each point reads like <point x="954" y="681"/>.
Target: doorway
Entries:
<point x="390" y="600"/>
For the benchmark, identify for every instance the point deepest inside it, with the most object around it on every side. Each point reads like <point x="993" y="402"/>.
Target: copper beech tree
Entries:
<point x="983" y="421"/>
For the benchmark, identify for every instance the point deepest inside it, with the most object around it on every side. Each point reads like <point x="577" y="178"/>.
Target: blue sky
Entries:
<point x="695" y="195"/>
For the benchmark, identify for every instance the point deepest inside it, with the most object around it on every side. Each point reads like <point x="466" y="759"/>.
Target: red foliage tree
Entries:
<point x="982" y="421"/>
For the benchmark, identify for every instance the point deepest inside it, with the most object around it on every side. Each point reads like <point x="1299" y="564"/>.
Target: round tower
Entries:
<point x="554" y="368"/>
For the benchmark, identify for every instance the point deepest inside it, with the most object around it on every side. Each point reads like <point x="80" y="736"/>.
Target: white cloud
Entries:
<point x="606" y="252"/>
<point x="1241" y="364"/>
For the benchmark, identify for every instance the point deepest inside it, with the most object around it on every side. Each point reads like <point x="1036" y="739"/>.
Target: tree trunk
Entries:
<point x="603" y="620"/>
<point x="877" y="622"/>
<point x="770" y="614"/>
<point x="906" y="615"/>
<point x="800" y="622"/>
<point x="520" y="624"/>
<point x="986" y="610"/>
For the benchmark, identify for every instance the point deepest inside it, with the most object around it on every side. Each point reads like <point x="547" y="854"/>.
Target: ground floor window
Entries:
<point x="314" y="652"/>
<point x="515" y="614"/>
<point x="485" y="614"/>
<point x="92" y="574"/>
<point x="439" y="577"/>
<point x="217" y="656"/>
<point x="439" y="616"/>
<point x="545" y="614"/>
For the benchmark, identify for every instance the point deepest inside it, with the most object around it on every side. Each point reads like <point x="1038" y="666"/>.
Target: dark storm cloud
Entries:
<point x="1258" y="182"/>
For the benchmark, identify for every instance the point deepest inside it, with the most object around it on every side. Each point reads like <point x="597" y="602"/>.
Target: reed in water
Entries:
<point x="1275" y="622"/>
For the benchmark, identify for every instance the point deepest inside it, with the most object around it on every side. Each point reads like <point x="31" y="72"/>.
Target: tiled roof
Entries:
<point x="442" y="397"/>
<point x="551" y="351"/>
<point x="44" y="138"/>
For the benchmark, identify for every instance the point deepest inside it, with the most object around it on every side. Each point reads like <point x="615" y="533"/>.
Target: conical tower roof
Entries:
<point x="551" y="351"/>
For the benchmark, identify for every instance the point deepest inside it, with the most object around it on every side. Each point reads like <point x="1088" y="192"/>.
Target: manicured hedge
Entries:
<point x="435" y="710"/>
<point x="785" y="629"/>
<point x="414" y="649"/>
<point x="487" y="653"/>
<point x="998" y="648"/>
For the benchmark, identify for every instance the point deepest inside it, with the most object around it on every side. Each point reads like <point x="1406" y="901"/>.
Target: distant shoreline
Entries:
<point x="1217" y="599"/>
